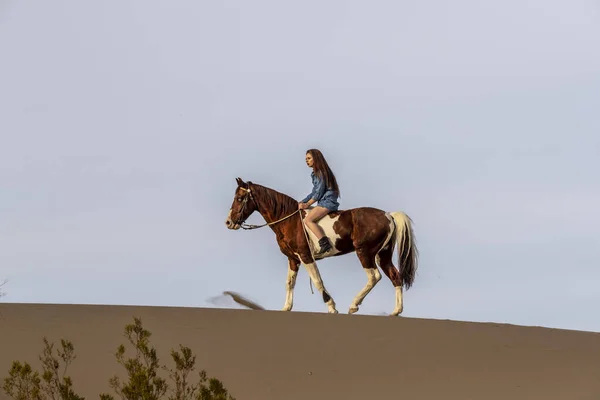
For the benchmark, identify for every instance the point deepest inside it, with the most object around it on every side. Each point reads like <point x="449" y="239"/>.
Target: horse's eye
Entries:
<point x="239" y="199"/>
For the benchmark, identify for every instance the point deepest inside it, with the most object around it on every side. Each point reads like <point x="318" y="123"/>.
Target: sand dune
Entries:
<point x="263" y="355"/>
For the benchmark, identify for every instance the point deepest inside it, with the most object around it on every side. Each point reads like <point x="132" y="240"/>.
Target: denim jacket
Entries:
<point x="323" y="196"/>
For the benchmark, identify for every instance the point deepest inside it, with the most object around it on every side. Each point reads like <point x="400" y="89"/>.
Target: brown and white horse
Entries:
<point x="370" y="232"/>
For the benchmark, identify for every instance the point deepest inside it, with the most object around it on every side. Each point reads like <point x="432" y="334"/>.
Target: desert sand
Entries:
<point x="262" y="355"/>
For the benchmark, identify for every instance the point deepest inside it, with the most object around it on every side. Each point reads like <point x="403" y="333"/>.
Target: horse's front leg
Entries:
<point x="290" y="284"/>
<point x="315" y="276"/>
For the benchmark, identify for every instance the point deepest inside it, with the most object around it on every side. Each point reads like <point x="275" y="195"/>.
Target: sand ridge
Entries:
<point x="298" y="355"/>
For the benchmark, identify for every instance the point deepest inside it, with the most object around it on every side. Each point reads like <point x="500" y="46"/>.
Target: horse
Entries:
<point x="369" y="232"/>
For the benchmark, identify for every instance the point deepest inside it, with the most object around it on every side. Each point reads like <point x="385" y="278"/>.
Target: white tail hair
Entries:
<point x="408" y="254"/>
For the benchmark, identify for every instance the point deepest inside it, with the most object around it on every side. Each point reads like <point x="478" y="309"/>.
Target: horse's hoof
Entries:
<point x="352" y="310"/>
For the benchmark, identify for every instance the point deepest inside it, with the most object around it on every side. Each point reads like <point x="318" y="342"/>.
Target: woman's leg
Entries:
<point x="311" y="220"/>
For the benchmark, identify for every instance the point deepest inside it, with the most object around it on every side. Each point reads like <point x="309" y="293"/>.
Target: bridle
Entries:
<point x="242" y="222"/>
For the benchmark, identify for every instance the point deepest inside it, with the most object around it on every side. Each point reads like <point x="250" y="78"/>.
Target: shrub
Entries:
<point x="23" y="383"/>
<point x="143" y="381"/>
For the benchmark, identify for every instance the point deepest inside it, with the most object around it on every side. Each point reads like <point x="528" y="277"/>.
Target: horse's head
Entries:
<point x="242" y="207"/>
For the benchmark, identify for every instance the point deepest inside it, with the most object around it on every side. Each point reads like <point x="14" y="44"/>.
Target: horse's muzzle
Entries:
<point x="230" y="225"/>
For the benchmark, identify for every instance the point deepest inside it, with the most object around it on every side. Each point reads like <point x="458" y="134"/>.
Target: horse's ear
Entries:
<point x="240" y="182"/>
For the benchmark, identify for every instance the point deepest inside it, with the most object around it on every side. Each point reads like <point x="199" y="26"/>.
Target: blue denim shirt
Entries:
<point x="324" y="197"/>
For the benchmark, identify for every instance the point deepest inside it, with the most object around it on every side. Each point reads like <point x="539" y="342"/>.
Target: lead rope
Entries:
<point x="309" y="247"/>
<point x="250" y="226"/>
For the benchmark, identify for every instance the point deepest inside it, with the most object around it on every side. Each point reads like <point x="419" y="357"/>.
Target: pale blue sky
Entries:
<point x="124" y="124"/>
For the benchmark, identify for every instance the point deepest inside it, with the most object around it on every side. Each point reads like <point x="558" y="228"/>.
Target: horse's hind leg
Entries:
<point x="373" y="275"/>
<point x="386" y="264"/>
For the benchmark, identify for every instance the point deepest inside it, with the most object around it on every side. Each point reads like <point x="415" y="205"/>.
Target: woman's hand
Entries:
<point x="302" y="206"/>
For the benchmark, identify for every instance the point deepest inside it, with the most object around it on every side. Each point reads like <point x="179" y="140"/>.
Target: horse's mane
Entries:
<point x="280" y="204"/>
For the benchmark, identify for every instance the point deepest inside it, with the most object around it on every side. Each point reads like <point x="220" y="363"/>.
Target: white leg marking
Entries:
<point x="289" y="286"/>
<point x="315" y="276"/>
<point x="399" y="305"/>
<point x="373" y="276"/>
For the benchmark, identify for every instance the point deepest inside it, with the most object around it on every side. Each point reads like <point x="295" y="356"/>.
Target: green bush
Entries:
<point x="143" y="380"/>
<point x="23" y="383"/>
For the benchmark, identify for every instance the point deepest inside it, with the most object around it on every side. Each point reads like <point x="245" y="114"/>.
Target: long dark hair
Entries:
<point x="323" y="171"/>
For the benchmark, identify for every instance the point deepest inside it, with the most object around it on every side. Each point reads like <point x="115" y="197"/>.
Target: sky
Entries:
<point x="123" y="125"/>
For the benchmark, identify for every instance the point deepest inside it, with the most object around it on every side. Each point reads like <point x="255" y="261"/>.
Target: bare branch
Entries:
<point x="238" y="298"/>
<point x="4" y="282"/>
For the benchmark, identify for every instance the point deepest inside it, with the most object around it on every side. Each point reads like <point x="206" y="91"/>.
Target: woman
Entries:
<point x="325" y="193"/>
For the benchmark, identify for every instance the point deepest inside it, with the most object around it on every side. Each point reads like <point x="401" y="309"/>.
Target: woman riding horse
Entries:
<point x="325" y="193"/>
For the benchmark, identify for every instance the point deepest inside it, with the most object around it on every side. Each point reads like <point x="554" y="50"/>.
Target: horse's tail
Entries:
<point x="408" y="254"/>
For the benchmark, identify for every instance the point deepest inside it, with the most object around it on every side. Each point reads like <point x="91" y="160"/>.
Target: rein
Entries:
<point x="245" y="226"/>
